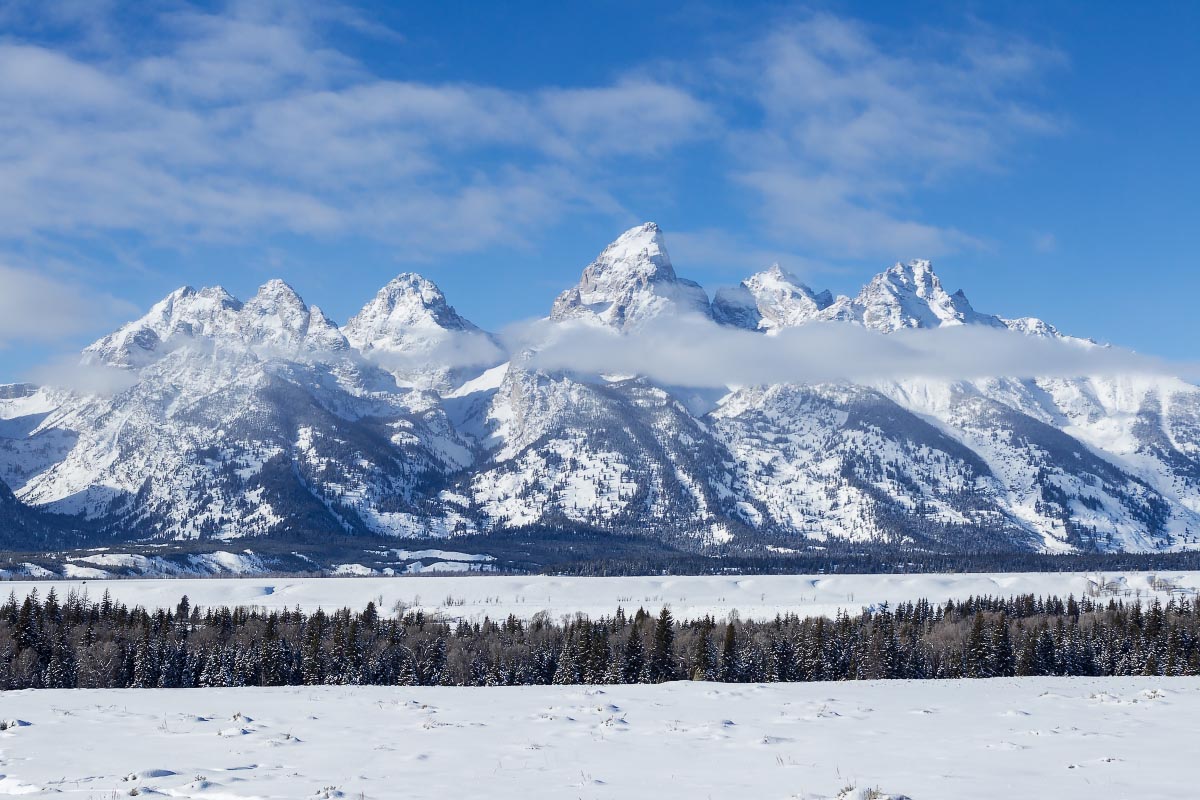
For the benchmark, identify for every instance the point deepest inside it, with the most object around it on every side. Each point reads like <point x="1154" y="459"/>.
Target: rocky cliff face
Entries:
<point x="265" y="418"/>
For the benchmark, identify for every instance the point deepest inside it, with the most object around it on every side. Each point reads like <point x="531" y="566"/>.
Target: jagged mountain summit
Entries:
<point x="185" y="312"/>
<point x="770" y="300"/>
<point x="908" y="296"/>
<point x="903" y="296"/>
<point x="276" y="318"/>
<point x="409" y="329"/>
<point x="403" y="311"/>
<point x="265" y="419"/>
<point x="631" y="282"/>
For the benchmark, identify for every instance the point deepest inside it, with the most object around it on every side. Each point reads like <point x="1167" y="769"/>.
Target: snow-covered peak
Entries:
<point x="906" y="295"/>
<point x="640" y="251"/>
<point x="631" y="281"/>
<point x="276" y="298"/>
<point x="185" y="312"/>
<point x="769" y="300"/>
<point x="909" y="296"/>
<point x="408" y="306"/>
<point x="410" y="330"/>
<point x="323" y="333"/>
<point x="277" y="317"/>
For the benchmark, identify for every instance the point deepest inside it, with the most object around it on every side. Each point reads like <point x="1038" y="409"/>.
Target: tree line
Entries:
<point x="78" y="642"/>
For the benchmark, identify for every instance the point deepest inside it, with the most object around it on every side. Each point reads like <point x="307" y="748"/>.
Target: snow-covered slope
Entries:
<point x="474" y="597"/>
<point x="275" y="319"/>
<point x="266" y="418"/>
<point x="769" y="300"/>
<point x="1054" y="463"/>
<point x="25" y="528"/>
<point x="909" y="296"/>
<point x="631" y="282"/>
<point x="620" y="453"/>
<point x="409" y="329"/>
<point x="997" y="739"/>
<point x="241" y="420"/>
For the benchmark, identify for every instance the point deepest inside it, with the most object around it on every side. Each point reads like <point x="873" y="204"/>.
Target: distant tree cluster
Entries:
<point x="83" y="643"/>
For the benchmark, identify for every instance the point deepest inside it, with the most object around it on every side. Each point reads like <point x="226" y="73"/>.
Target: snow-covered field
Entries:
<point x="753" y="597"/>
<point x="1008" y="739"/>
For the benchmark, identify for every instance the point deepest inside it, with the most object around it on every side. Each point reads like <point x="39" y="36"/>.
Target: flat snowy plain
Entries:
<point x="1003" y="738"/>
<point x="689" y="597"/>
<point x="1007" y="739"/>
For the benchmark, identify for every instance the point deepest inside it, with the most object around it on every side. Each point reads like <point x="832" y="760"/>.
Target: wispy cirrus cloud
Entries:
<point x="852" y="127"/>
<point x="35" y="308"/>
<point x="249" y="122"/>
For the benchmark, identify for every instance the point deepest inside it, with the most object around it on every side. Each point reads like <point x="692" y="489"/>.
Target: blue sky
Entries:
<point x="1043" y="154"/>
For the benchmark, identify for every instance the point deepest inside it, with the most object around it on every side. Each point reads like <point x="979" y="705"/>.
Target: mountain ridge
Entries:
<point x="265" y="418"/>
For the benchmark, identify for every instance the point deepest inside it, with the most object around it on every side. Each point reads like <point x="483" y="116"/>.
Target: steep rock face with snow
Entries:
<point x="410" y="330"/>
<point x="214" y="444"/>
<point x="847" y="462"/>
<point x="261" y="420"/>
<point x="275" y="319"/>
<point x="25" y="528"/>
<point x="408" y="308"/>
<point x="185" y="313"/>
<point x="769" y="300"/>
<point x="620" y="454"/>
<point x="907" y="296"/>
<point x="236" y="419"/>
<point x="912" y="296"/>
<point x="629" y="283"/>
<point x="565" y="449"/>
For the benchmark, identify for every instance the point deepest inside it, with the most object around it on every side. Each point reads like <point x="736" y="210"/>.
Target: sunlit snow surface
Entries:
<point x="1004" y="738"/>
<point x="1007" y="739"/>
<point x="689" y="597"/>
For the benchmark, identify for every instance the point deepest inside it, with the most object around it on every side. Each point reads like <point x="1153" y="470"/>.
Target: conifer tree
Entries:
<point x="635" y="657"/>
<point x="1000" y="649"/>
<point x="731" y="671"/>
<point x="975" y="650"/>
<point x="661" y="665"/>
<point x="704" y="662"/>
<point x="568" y="672"/>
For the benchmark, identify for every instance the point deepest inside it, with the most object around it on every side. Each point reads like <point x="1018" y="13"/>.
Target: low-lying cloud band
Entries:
<point x="698" y="353"/>
<point x="695" y="352"/>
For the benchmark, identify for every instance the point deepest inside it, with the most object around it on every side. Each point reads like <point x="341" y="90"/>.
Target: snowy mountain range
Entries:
<point x="236" y="419"/>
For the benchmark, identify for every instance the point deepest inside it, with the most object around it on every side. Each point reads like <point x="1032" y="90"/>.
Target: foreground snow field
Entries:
<point x="689" y="597"/>
<point x="1007" y="739"/>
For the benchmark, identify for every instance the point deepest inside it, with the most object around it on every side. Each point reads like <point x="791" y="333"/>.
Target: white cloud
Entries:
<point x="35" y="308"/>
<point x="828" y="213"/>
<point x="1045" y="242"/>
<point x="249" y="122"/>
<point x="632" y="117"/>
<point x="698" y="353"/>
<point x="68" y="372"/>
<point x="450" y="349"/>
<point x="852" y="127"/>
<point x="721" y="251"/>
